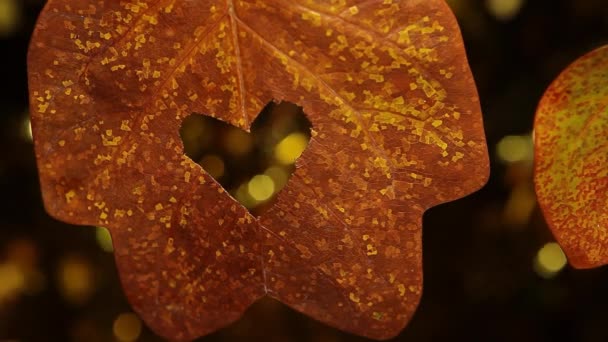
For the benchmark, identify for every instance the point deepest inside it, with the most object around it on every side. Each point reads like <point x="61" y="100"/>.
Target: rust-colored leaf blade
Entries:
<point x="571" y="173"/>
<point x="396" y="129"/>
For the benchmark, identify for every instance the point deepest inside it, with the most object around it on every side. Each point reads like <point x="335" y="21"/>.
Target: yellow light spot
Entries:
<point x="12" y="280"/>
<point x="504" y="9"/>
<point x="290" y="148"/>
<point x="75" y="280"/>
<point x="278" y="174"/>
<point x="261" y="188"/>
<point x="353" y="297"/>
<point x="104" y="240"/>
<point x="520" y="206"/>
<point x="549" y="260"/>
<point x="10" y="16"/>
<point x="214" y="166"/>
<point x="238" y="142"/>
<point x="26" y="128"/>
<point x="127" y="327"/>
<point x="242" y="195"/>
<point x="515" y="148"/>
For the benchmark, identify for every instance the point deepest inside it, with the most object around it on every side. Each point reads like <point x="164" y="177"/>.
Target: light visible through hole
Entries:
<point x="252" y="167"/>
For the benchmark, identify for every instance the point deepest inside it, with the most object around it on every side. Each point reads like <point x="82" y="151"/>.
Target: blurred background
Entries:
<point x="491" y="269"/>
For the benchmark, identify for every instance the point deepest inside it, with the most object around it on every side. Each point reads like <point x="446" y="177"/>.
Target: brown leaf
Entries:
<point x="396" y="129"/>
<point x="570" y="164"/>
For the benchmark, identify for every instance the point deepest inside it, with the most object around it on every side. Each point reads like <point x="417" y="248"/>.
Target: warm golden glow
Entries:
<point x="290" y="148"/>
<point x="214" y="165"/>
<point x="238" y="142"/>
<point x="26" y="127"/>
<point x="75" y="280"/>
<point x="12" y="281"/>
<point x="279" y="175"/>
<point x="550" y="260"/>
<point x="504" y="9"/>
<point x="104" y="239"/>
<point x="242" y="195"/>
<point x="10" y="16"/>
<point x="127" y="327"/>
<point x="515" y="148"/>
<point x="261" y="188"/>
<point x="520" y="205"/>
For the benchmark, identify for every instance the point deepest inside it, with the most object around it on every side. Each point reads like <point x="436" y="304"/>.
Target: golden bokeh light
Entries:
<point x="550" y="260"/>
<point x="279" y="175"/>
<point x="290" y="148"/>
<point x="12" y="281"/>
<point x="75" y="280"/>
<point x="23" y="252"/>
<point x="242" y="195"/>
<point x="214" y="165"/>
<point x="504" y="9"/>
<point x="10" y="16"/>
<point x="520" y="205"/>
<point x="515" y="148"/>
<point x="26" y="127"/>
<point x="238" y="142"/>
<point x="261" y="188"/>
<point x="104" y="239"/>
<point x="195" y="134"/>
<point x="127" y="327"/>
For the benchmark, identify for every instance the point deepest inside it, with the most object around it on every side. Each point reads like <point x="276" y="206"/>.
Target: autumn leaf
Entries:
<point x="396" y="129"/>
<point x="571" y="173"/>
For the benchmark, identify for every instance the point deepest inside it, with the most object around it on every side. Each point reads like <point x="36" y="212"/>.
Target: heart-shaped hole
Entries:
<point x="252" y="167"/>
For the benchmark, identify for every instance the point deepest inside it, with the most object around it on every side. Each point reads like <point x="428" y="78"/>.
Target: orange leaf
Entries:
<point x="571" y="176"/>
<point x="396" y="129"/>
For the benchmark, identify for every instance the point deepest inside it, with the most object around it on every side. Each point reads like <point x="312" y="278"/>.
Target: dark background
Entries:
<point x="483" y="281"/>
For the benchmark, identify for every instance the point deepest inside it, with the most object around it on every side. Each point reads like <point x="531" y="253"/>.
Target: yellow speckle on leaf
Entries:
<point x="371" y="250"/>
<point x="401" y="289"/>
<point x="313" y="17"/>
<point x="43" y="107"/>
<point x="376" y="77"/>
<point x="69" y="196"/>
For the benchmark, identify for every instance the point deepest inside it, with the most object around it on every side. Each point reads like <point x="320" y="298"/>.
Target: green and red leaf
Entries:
<point x="396" y="129"/>
<point x="571" y="163"/>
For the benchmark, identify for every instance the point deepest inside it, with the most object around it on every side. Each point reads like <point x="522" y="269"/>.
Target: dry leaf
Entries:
<point x="396" y="129"/>
<point x="571" y="173"/>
